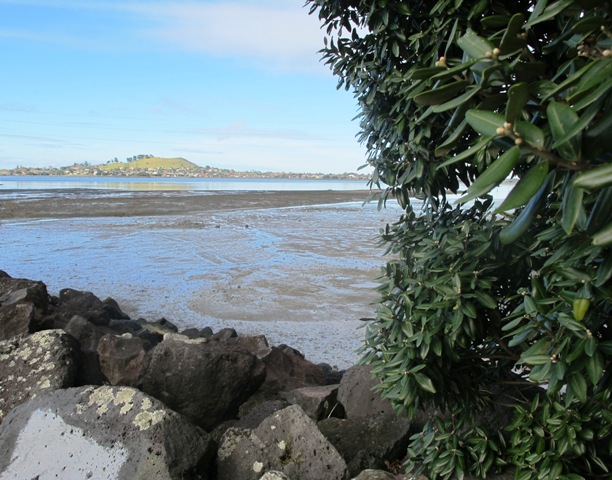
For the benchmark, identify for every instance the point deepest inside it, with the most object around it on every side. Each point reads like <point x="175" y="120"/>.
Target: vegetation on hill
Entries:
<point x="495" y="312"/>
<point x="151" y="162"/>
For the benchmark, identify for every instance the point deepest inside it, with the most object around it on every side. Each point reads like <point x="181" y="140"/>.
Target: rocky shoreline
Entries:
<point x="87" y="392"/>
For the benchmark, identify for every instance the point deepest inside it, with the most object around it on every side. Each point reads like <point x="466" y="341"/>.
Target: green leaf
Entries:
<point x="535" y="359"/>
<point x="597" y="177"/>
<point x="549" y="12"/>
<point x="562" y="119"/>
<point x="484" y="122"/>
<point x="572" y="206"/>
<point x="497" y="172"/>
<point x="577" y="385"/>
<point x="473" y="45"/>
<point x="457" y="101"/>
<point x="424" y="382"/>
<point x="440" y="94"/>
<point x="518" y="95"/>
<point x="468" y="152"/>
<point x="520" y="225"/>
<point x="531" y="134"/>
<point x="511" y="40"/>
<point x="525" y="188"/>
<point x="603" y="238"/>
<point x="425" y="73"/>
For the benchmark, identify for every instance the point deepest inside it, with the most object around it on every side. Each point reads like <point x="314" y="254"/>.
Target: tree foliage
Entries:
<point x="489" y="309"/>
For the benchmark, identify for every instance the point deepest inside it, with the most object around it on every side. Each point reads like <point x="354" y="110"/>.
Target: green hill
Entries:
<point x="152" y="162"/>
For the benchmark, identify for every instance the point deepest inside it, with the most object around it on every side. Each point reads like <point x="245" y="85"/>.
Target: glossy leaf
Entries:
<point x="518" y="95"/>
<point x="562" y="119"/>
<point x="572" y="206"/>
<point x="441" y="94"/>
<point x="484" y="122"/>
<point x="597" y="177"/>
<point x="525" y="188"/>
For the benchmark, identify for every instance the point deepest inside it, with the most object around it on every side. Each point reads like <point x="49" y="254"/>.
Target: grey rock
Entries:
<point x="205" y="381"/>
<point x="256" y="344"/>
<point x="30" y="366"/>
<point x="273" y="475"/>
<point x="103" y="432"/>
<point x="356" y="395"/>
<point x="88" y="336"/>
<point x="368" y="442"/>
<point x="224" y="334"/>
<point x="287" y="369"/>
<point x="75" y="302"/>
<point x="370" y="474"/>
<point x="16" y="320"/>
<point x="288" y="442"/>
<point x="317" y="402"/>
<point x="123" y="359"/>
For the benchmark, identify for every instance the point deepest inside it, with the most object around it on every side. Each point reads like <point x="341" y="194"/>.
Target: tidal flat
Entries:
<point x="298" y="267"/>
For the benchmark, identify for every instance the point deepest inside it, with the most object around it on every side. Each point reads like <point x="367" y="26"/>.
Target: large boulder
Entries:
<point x="103" y="432"/>
<point x="33" y="365"/>
<point x="123" y="359"/>
<point x="368" y="442"/>
<point x="288" y="441"/>
<point x="317" y="402"/>
<point x="356" y="395"/>
<point x="74" y="302"/>
<point x="205" y="381"/>
<point x="88" y="336"/>
<point x="23" y="305"/>
<point x="288" y="369"/>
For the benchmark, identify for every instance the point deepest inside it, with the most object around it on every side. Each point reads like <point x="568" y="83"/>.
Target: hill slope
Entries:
<point x="152" y="162"/>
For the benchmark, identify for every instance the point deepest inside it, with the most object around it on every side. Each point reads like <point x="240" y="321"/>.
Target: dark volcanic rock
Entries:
<point x="288" y="369"/>
<point x="205" y="381"/>
<point x="85" y="304"/>
<point x="88" y="336"/>
<point x="123" y="359"/>
<point x="23" y="305"/>
<point x="368" y="442"/>
<point x="30" y="366"/>
<point x="288" y="442"/>
<point x="104" y="432"/>
<point x="317" y="402"/>
<point x="356" y="395"/>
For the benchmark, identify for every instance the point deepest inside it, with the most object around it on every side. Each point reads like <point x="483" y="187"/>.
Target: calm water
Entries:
<point x="186" y="184"/>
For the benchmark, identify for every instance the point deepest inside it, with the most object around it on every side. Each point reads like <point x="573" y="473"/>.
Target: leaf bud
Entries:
<point x="496" y="52"/>
<point x="441" y="62"/>
<point x="607" y="53"/>
<point x="501" y="130"/>
<point x="518" y="141"/>
<point x="489" y="55"/>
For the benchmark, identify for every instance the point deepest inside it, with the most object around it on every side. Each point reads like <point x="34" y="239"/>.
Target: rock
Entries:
<point x="367" y="442"/>
<point x="30" y="366"/>
<point x="250" y="415"/>
<point x="88" y="336"/>
<point x="16" y="320"/>
<point x="332" y="376"/>
<point x="114" y="311"/>
<point x="256" y="344"/>
<point x="21" y="290"/>
<point x="205" y="381"/>
<point x="288" y="442"/>
<point x="288" y="369"/>
<point x="192" y="333"/>
<point x="23" y="305"/>
<point x="370" y="474"/>
<point x="356" y="395"/>
<point x="317" y="402"/>
<point x="85" y="304"/>
<point x="224" y="334"/>
<point x="272" y="475"/>
<point x="163" y="324"/>
<point x="123" y="359"/>
<point x="103" y="432"/>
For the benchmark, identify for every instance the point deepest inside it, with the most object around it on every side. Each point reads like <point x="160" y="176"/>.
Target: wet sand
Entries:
<point x="298" y="267"/>
<point x="70" y="203"/>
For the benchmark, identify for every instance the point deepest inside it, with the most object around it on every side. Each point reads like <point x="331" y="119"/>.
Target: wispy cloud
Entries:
<point x="274" y="34"/>
<point x="280" y="33"/>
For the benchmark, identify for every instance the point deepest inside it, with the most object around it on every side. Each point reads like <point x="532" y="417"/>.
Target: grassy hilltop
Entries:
<point x="151" y="162"/>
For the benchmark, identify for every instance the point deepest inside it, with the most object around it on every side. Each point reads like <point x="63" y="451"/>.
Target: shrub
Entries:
<point x="497" y="316"/>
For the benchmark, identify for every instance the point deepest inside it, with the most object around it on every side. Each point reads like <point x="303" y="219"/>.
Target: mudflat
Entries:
<point x="70" y="203"/>
<point x="300" y="267"/>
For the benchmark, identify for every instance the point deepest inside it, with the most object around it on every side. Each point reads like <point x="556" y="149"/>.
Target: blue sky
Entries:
<point x="232" y="84"/>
